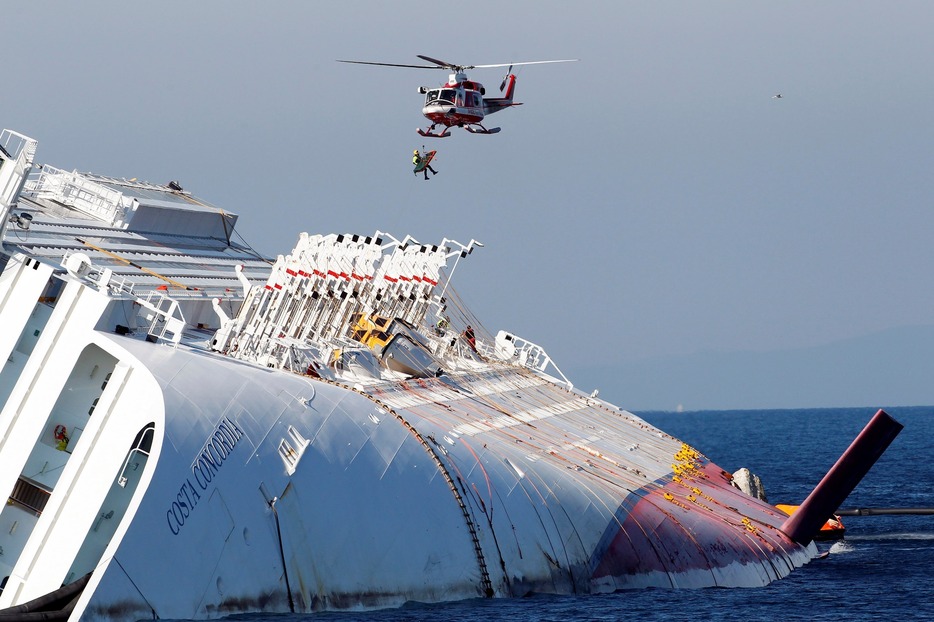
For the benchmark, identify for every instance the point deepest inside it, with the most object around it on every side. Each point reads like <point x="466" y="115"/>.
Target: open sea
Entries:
<point x="882" y="570"/>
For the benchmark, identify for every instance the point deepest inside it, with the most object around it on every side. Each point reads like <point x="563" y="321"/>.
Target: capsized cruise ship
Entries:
<point x="192" y="430"/>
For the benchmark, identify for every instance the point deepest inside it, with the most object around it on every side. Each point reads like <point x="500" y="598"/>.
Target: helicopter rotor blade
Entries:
<point x="444" y="64"/>
<point x="440" y="64"/>
<point x="364" y="62"/>
<point x="530" y="62"/>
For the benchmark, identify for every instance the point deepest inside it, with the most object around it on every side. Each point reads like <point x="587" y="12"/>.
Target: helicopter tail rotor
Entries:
<point x="506" y="77"/>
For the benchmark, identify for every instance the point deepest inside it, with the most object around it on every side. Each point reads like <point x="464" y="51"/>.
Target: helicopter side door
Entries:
<point x="475" y="103"/>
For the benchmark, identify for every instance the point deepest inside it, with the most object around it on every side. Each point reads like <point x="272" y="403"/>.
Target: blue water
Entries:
<point x="881" y="571"/>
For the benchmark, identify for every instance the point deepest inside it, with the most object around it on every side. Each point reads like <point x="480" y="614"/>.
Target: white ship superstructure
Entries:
<point x="190" y="430"/>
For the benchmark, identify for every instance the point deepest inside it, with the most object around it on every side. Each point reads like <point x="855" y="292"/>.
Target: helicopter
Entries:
<point x="461" y="102"/>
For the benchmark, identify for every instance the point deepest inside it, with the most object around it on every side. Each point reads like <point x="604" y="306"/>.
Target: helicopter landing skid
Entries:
<point x="481" y="130"/>
<point x="429" y="134"/>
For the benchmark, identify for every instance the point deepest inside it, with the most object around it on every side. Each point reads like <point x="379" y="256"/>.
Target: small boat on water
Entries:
<point x="189" y="429"/>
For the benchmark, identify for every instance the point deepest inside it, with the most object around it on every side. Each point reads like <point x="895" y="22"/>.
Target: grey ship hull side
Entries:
<point x="395" y="498"/>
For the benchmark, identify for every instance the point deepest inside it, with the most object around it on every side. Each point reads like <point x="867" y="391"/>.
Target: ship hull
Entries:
<point x="417" y="491"/>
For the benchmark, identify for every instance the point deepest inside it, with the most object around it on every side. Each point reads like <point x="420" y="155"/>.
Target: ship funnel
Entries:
<point x="842" y="478"/>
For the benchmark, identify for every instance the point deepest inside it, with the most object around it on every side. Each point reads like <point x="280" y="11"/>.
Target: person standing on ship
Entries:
<point x="470" y="338"/>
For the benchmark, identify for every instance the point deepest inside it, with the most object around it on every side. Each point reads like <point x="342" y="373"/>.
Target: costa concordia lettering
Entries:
<point x="216" y="450"/>
<point x="189" y="430"/>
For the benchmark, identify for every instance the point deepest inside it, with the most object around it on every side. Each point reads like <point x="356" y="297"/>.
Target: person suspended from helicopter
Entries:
<point x="423" y="163"/>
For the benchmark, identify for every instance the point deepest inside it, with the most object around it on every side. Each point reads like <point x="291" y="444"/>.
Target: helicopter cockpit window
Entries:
<point x="448" y="95"/>
<point x="432" y="96"/>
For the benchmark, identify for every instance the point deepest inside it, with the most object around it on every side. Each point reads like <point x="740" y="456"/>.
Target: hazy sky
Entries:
<point x="651" y="200"/>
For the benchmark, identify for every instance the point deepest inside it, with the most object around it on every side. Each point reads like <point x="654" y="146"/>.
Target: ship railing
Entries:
<point x="164" y="315"/>
<point x="514" y="349"/>
<point x="162" y="312"/>
<point x="104" y="277"/>
<point x="290" y="354"/>
<point x="120" y="284"/>
<point x="14" y="143"/>
<point x="16" y="161"/>
<point x="299" y="358"/>
<point x="273" y="352"/>
<point x="450" y="346"/>
<point x="77" y="191"/>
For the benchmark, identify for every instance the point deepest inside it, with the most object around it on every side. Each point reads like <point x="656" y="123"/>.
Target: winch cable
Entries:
<point x="885" y="511"/>
<point x="172" y="282"/>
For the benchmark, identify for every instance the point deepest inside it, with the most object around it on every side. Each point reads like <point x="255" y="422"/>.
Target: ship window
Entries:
<point x="381" y="322"/>
<point x="29" y="496"/>
<point x="51" y="292"/>
<point x="140" y="449"/>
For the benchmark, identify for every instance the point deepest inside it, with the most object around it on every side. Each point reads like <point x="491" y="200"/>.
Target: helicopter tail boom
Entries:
<point x="495" y="104"/>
